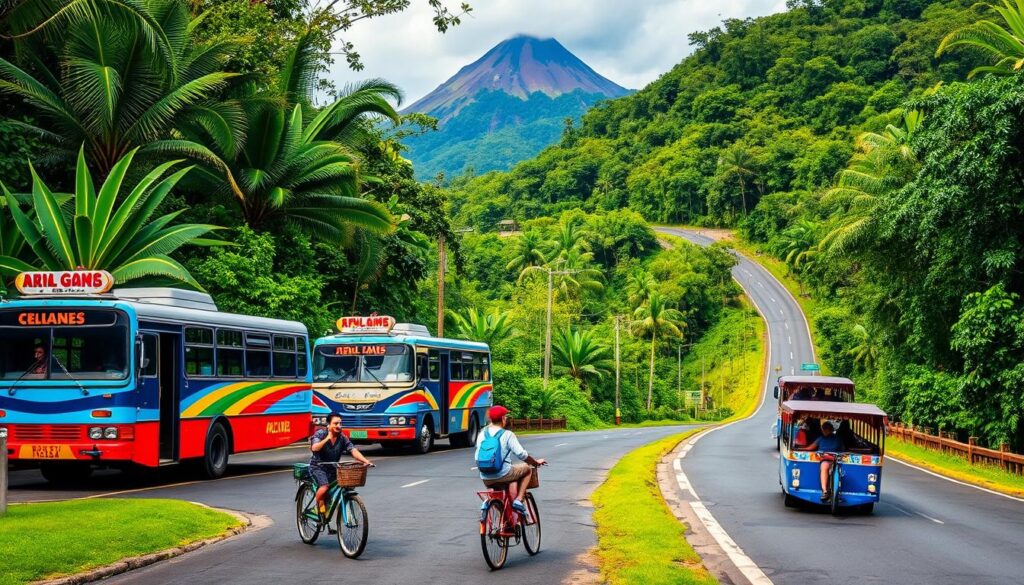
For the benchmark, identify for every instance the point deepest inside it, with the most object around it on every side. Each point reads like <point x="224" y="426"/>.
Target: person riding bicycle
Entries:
<point x="516" y="476"/>
<point x="828" y="442"/>
<point x="328" y="445"/>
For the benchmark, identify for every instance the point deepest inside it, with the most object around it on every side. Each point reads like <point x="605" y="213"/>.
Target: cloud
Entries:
<point x="629" y="43"/>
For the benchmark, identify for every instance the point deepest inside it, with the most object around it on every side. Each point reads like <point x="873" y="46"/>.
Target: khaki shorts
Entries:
<point x="518" y="471"/>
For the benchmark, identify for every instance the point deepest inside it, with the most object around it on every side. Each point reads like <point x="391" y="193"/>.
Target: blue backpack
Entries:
<point x="489" y="458"/>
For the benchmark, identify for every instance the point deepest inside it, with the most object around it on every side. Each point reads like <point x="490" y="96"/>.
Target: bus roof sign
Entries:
<point x="373" y="324"/>
<point x="64" y="282"/>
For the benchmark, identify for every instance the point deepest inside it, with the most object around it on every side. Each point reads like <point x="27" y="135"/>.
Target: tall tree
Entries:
<point x="491" y="328"/>
<point x="1005" y="43"/>
<point x="656" y="319"/>
<point x="581" y="354"/>
<point x="527" y="250"/>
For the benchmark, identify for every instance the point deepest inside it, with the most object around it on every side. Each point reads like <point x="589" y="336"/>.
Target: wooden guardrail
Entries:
<point x="946" y="443"/>
<point x="536" y="424"/>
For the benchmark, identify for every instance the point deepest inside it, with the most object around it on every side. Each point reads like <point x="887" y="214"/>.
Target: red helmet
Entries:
<point x="496" y="413"/>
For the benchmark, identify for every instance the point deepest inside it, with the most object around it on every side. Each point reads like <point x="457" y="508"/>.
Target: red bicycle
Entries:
<point x="501" y="526"/>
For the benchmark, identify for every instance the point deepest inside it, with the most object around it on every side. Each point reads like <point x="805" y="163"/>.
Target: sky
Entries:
<point x="631" y="43"/>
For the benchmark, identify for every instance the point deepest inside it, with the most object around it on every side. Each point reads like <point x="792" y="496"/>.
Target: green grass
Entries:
<point x="988" y="476"/>
<point x="59" y="538"/>
<point x="639" y="540"/>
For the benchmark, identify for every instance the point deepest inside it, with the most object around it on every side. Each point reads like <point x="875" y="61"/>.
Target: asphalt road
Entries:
<point x="925" y="530"/>
<point x="423" y="516"/>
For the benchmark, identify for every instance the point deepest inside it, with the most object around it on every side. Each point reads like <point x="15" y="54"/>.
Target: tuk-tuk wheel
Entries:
<point x="790" y="501"/>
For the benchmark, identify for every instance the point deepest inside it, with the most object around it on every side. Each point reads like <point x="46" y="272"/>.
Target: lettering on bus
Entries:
<point x="278" y="427"/>
<point x="360" y="350"/>
<point x="371" y="324"/>
<point x="66" y="282"/>
<point x="37" y="319"/>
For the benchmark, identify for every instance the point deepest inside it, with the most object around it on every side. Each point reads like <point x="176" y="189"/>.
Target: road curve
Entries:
<point x="420" y="531"/>
<point x="925" y="530"/>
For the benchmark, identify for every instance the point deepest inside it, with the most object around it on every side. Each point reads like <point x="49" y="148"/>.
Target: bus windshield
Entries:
<point x="41" y="343"/>
<point x="360" y="362"/>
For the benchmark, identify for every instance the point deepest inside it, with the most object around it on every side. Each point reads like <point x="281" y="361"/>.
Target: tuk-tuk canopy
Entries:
<point x="822" y="381"/>
<point x="868" y="413"/>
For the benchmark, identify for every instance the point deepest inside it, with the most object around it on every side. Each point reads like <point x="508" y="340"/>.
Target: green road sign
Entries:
<point x="810" y="367"/>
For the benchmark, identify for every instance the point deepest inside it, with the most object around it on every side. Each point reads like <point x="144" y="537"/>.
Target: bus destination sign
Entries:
<point x="372" y="324"/>
<point x="66" y="282"/>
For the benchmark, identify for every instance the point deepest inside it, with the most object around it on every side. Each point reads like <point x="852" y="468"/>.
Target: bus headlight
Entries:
<point x="393" y="420"/>
<point x="871" y="488"/>
<point x="796" y="483"/>
<point x="95" y="433"/>
<point x="110" y="433"/>
<point x="872" y="477"/>
<point x="401" y="420"/>
<point x="796" y="474"/>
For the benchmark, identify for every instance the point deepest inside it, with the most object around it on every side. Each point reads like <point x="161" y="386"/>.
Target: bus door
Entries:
<point x="445" y="381"/>
<point x="168" y="366"/>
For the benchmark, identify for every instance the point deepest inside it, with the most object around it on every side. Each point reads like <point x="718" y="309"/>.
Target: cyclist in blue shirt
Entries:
<point x="328" y="445"/>
<point x="828" y="442"/>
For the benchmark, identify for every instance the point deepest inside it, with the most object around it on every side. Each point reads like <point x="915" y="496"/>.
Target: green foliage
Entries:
<point x="492" y="328"/>
<point x="580" y="354"/>
<point x="106" y="229"/>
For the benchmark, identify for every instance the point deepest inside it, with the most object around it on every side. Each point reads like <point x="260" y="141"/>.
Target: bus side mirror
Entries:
<point x="776" y="393"/>
<point x="140" y="350"/>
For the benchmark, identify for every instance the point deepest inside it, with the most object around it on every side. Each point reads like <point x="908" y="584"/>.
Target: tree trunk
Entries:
<point x="650" y="379"/>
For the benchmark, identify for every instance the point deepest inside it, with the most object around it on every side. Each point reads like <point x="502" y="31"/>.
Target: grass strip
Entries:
<point x="980" y="474"/>
<point x="639" y="540"/>
<point x="60" y="538"/>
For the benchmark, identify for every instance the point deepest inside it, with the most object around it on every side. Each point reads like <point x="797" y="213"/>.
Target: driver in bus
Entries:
<point x="41" y="365"/>
<point x="328" y="445"/>
<point x="828" y="444"/>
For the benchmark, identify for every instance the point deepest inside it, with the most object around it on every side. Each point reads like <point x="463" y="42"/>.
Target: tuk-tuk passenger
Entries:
<point x="829" y="443"/>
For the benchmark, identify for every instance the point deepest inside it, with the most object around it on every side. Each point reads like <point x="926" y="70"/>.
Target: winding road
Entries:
<point x="926" y="530"/>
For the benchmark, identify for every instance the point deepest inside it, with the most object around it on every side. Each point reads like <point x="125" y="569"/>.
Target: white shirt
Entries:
<point x="509" y="446"/>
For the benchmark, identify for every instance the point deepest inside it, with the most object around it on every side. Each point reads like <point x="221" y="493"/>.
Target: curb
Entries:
<point x="254" y="522"/>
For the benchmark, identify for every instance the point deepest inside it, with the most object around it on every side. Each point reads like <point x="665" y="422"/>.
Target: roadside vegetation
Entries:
<point x="956" y="467"/>
<point x="35" y="542"/>
<point x="639" y="540"/>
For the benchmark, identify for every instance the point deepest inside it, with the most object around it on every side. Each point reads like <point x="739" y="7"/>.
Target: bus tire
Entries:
<point x="473" y="433"/>
<point x="65" y="473"/>
<point x="425" y="438"/>
<point x="218" y="450"/>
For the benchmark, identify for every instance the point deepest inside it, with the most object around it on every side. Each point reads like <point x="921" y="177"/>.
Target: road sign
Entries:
<point x="810" y="367"/>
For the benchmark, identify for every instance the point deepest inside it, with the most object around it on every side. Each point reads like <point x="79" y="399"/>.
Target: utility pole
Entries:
<point x="703" y="403"/>
<point x="442" y="267"/>
<point x="547" y="334"/>
<point x="618" y="319"/>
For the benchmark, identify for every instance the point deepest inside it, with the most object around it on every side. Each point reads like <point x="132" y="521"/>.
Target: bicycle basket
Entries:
<point x="300" y="471"/>
<point x="351" y="475"/>
<point x="534" y="479"/>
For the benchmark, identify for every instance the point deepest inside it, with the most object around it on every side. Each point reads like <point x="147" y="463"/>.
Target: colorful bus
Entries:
<point x="146" y="376"/>
<point x="395" y="384"/>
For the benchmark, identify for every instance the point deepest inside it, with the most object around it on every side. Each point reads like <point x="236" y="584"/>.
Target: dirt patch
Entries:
<point x="587" y="573"/>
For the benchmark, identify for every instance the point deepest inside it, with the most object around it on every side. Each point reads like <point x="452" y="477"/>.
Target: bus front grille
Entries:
<point x="48" y="432"/>
<point x="363" y="421"/>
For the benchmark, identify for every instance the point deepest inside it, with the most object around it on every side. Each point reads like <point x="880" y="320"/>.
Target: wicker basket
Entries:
<point x="534" y="479"/>
<point x="300" y="471"/>
<point x="351" y="474"/>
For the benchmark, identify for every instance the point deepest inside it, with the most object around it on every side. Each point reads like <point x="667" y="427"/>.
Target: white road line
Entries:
<point x="902" y="510"/>
<point x="935" y="520"/>
<point x="773" y="299"/>
<point x="415" y="483"/>
<point x="746" y="566"/>
<point x="781" y="312"/>
<point x="790" y="356"/>
<point x="604" y="437"/>
<point x="790" y="338"/>
<point x="561" y="444"/>
<point x="786" y="323"/>
<point x="930" y="472"/>
<point x="472" y="468"/>
<point x="760" y="284"/>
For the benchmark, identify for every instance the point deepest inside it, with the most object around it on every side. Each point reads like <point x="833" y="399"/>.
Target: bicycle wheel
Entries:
<point x="353" y="526"/>
<point x="494" y="545"/>
<point x="531" y="526"/>
<point x="307" y="521"/>
<point x="836" y="485"/>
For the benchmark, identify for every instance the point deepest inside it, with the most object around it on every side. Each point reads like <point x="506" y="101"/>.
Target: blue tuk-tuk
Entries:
<point x="853" y="473"/>
<point x="824" y="388"/>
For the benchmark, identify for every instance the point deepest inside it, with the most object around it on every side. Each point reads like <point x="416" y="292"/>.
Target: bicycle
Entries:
<point x="835" y="474"/>
<point x="500" y="524"/>
<point x="352" y="524"/>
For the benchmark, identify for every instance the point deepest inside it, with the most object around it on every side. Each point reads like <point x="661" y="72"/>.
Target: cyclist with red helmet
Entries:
<point x="517" y="476"/>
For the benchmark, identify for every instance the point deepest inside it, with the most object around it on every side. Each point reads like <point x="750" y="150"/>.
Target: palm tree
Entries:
<point x="570" y="236"/>
<point x="800" y="244"/>
<point x="108" y="229"/>
<point x="885" y="162"/>
<point x="279" y="167"/>
<point x="527" y="250"/>
<point x="737" y="163"/>
<point x="580" y="354"/>
<point x="1005" y="46"/>
<point x="491" y="328"/>
<point x="656" y="319"/>
<point x="639" y="285"/>
<point x="865" y="353"/>
<point x="548" y="400"/>
<point x="123" y="74"/>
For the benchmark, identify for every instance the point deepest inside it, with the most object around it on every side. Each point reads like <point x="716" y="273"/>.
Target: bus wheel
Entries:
<point x="65" y="473"/>
<point x="474" y="431"/>
<point x="425" y="439"/>
<point x="218" y="449"/>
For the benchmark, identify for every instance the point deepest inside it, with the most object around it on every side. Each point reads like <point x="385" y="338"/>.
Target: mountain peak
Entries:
<point x="519" y="66"/>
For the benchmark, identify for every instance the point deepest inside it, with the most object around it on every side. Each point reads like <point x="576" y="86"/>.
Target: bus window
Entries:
<point x="376" y="363"/>
<point x="198" y="351"/>
<point x="151" y="353"/>
<point x="455" y="365"/>
<point x="434" y="364"/>
<point x="96" y="349"/>
<point x="329" y="367"/>
<point x="301" y="344"/>
<point x="485" y="368"/>
<point x="284" y="356"/>
<point x="230" y="353"/>
<point x="257" y="354"/>
<point x="394" y="366"/>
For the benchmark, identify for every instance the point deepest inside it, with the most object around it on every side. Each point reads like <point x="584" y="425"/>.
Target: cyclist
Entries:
<point x="328" y="445"/>
<point x="516" y="476"/>
<point x="827" y="443"/>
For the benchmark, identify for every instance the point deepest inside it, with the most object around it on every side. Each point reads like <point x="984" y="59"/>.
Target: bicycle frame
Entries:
<point x="508" y="514"/>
